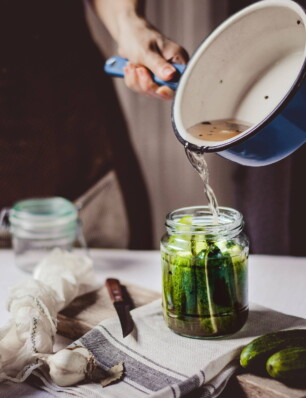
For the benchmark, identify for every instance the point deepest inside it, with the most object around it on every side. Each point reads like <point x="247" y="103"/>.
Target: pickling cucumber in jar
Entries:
<point x="204" y="272"/>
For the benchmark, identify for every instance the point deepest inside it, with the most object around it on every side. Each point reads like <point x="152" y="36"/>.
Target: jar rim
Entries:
<point x="43" y="212"/>
<point x="199" y="220"/>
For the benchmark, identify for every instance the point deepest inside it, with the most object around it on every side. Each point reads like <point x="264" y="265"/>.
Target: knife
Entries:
<point x="122" y="305"/>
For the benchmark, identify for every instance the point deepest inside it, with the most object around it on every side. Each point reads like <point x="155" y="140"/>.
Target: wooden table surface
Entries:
<point x="277" y="282"/>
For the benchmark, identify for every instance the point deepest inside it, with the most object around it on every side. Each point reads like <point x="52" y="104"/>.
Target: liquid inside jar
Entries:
<point x="205" y="291"/>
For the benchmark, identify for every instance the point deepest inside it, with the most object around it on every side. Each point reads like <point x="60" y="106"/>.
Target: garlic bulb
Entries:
<point x="75" y="364"/>
<point x="70" y="365"/>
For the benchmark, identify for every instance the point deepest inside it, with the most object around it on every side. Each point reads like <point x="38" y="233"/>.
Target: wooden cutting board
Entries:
<point x="88" y="310"/>
<point x="85" y="312"/>
<point x="263" y="387"/>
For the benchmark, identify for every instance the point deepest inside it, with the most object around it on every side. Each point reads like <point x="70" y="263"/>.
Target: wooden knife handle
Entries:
<point x="114" y="289"/>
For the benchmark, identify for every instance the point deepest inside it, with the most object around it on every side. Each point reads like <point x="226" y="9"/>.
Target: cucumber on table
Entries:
<point x="288" y="364"/>
<point x="256" y="353"/>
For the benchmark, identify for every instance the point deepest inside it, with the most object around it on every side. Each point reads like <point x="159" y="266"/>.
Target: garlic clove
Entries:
<point x="68" y="368"/>
<point x="70" y="365"/>
<point x="75" y="364"/>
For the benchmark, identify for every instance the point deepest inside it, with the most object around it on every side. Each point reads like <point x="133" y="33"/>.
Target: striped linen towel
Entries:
<point x="161" y="364"/>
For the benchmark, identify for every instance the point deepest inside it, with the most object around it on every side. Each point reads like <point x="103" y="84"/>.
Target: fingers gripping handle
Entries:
<point x="114" y="66"/>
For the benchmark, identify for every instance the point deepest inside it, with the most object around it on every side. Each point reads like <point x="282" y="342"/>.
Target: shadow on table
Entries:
<point x="263" y="320"/>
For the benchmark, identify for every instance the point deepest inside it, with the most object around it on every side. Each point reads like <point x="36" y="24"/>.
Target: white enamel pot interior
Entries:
<point x="244" y="70"/>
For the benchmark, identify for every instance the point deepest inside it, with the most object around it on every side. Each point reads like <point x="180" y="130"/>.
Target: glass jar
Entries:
<point x="40" y="225"/>
<point x="204" y="272"/>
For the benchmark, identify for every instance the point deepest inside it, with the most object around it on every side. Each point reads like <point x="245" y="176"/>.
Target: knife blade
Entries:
<point x="122" y="305"/>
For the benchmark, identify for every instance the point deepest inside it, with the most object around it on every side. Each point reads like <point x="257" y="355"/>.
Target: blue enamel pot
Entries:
<point x="251" y="68"/>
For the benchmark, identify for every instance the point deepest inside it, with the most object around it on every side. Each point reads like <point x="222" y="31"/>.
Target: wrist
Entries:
<point x="129" y="19"/>
<point x="117" y="15"/>
<point x="129" y="26"/>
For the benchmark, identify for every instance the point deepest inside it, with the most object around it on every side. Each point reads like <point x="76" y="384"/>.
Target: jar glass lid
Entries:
<point x="43" y="212"/>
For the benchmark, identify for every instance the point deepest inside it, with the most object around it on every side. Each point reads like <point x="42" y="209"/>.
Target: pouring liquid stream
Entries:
<point x="213" y="130"/>
<point x="197" y="160"/>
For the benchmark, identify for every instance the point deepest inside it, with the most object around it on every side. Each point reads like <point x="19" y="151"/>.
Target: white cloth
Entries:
<point x="161" y="364"/>
<point x="58" y="279"/>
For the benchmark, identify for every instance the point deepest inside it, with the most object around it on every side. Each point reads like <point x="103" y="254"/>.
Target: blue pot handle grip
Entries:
<point x="114" y="66"/>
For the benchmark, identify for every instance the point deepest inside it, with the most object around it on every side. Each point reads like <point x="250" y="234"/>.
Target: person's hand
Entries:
<point x="143" y="45"/>
<point x="148" y="50"/>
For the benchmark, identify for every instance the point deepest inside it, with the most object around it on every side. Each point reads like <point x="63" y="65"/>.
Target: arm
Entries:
<point x="142" y="44"/>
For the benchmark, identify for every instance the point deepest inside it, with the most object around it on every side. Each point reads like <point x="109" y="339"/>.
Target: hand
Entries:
<point x="148" y="50"/>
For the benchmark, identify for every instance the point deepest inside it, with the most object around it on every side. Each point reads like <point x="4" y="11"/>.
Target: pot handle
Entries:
<point x="114" y="66"/>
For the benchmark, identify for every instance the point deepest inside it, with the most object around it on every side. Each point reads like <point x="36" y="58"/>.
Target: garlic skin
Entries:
<point x="70" y="365"/>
